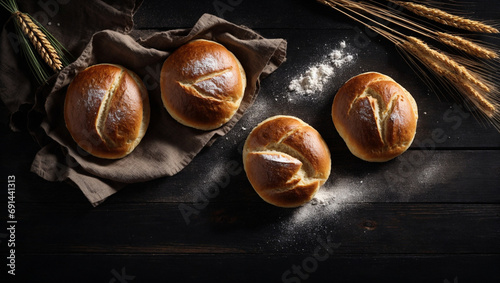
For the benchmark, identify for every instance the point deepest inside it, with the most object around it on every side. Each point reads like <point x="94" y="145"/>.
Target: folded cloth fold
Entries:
<point x="167" y="146"/>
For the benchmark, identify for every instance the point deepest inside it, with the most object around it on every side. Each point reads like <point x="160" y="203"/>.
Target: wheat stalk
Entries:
<point x="478" y="50"/>
<point x="39" y="41"/>
<point x="446" y="67"/>
<point x="40" y="49"/>
<point x="466" y="45"/>
<point x="445" y="18"/>
<point x="448" y="62"/>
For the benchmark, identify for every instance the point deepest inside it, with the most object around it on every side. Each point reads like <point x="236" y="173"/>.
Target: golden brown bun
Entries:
<point x="286" y="161"/>
<point x="202" y="84"/>
<point x="376" y="117"/>
<point x="107" y="110"/>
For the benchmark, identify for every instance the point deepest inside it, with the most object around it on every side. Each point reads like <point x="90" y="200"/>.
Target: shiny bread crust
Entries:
<point x="106" y="110"/>
<point x="376" y="117"/>
<point x="286" y="161"/>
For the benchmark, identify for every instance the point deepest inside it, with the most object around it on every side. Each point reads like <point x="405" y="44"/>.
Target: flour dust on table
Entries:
<point x="313" y="80"/>
<point x="315" y="218"/>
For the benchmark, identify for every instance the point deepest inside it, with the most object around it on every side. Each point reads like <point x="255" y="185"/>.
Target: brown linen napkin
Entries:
<point x="167" y="146"/>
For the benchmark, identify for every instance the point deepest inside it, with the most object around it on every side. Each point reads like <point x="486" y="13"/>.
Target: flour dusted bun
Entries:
<point x="107" y="110"/>
<point x="286" y="161"/>
<point x="376" y="117"/>
<point x="202" y="84"/>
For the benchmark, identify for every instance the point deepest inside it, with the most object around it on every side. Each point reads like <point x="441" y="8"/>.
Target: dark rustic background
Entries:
<point x="431" y="215"/>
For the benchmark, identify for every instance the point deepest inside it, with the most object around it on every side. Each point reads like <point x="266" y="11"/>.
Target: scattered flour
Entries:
<point x="313" y="80"/>
<point x="319" y="215"/>
<point x="327" y="201"/>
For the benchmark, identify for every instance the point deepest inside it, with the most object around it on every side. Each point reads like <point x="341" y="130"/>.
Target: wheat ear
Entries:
<point x="455" y="41"/>
<point x="445" y="18"/>
<point x="448" y="63"/>
<point x="39" y="41"/>
<point x="449" y="69"/>
<point x="466" y="45"/>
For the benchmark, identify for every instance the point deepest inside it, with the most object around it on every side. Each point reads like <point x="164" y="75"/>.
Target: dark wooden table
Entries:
<point x="431" y="215"/>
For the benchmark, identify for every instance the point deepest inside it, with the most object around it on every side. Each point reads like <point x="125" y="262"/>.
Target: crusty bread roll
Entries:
<point x="107" y="110"/>
<point x="202" y="84"/>
<point x="376" y="117"/>
<point x="286" y="161"/>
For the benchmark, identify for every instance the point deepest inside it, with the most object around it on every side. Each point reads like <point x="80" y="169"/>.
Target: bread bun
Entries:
<point x="107" y="110"/>
<point x="202" y="84"/>
<point x="286" y="161"/>
<point x="376" y="117"/>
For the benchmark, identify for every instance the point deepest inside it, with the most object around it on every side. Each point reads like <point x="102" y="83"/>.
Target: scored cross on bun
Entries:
<point x="286" y="161"/>
<point x="106" y="110"/>
<point x="202" y="84"/>
<point x="376" y="117"/>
